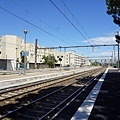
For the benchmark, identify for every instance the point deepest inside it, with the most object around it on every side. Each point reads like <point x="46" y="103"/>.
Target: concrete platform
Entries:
<point x="103" y="102"/>
<point x="33" y="76"/>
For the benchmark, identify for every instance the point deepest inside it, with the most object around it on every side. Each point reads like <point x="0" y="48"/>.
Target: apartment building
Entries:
<point x="11" y="46"/>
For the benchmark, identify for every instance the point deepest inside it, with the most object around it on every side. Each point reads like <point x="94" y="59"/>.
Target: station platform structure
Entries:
<point x="12" y="79"/>
<point x="103" y="102"/>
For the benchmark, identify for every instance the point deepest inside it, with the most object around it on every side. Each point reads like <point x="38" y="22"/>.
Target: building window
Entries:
<point x="0" y="52"/>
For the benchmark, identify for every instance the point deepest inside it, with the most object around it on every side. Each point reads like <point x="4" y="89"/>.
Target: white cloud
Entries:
<point x="101" y="40"/>
<point x="108" y="53"/>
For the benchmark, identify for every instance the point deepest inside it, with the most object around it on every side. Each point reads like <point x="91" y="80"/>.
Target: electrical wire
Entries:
<point x="32" y="24"/>
<point x="40" y="19"/>
<point x="70" y="22"/>
<point x="109" y="39"/>
<point x="75" y="19"/>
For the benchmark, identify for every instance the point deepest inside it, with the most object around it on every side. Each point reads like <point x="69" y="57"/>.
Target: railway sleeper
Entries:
<point x="25" y="117"/>
<point x="41" y="107"/>
<point x="47" y="104"/>
<point x="56" y="101"/>
<point x="57" y="98"/>
<point x="52" y="102"/>
<point x="35" y="113"/>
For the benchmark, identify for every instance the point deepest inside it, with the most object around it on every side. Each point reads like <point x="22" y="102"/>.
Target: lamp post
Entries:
<point x="25" y="32"/>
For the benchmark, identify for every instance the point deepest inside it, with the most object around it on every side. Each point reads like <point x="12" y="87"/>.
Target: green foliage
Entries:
<point x="113" y="8"/>
<point x="95" y="64"/>
<point x="50" y="60"/>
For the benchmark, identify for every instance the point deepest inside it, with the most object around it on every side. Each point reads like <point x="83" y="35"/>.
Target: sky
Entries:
<point x="60" y="22"/>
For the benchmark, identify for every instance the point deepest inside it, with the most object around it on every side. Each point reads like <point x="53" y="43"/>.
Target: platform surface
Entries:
<point x="103" y="102"/>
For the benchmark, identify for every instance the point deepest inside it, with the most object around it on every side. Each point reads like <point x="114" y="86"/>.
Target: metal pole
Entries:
<point x="64" y="56"/>
<point x="118" y="55"/>
<point x="114" y="54"/>
<point x="60" y="57"/>
<point x="25" y="57"/>
<point x="36" y="54"/>
<point x="16" y="58"/>
<point x="112" y="59"/>
<point x="25" y="32"/>
<point x="118" y="41"/>
<point x="69" y="59"/>
<point x="6" y="62"/>
<point x="75" y="57"/>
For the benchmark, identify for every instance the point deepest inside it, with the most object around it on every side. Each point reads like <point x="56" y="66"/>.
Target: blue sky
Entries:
<point x="45" y="23"/>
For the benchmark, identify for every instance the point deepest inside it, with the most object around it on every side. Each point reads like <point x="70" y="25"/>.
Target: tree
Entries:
<point x="95" y="64"/>
<point x="113" y="8"/>
<point x="50" y="60"/>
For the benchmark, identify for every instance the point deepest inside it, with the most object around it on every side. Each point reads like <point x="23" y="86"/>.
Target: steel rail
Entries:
<point x="16" y="91"/>
<point x="85" y="87"/>
<point x="19" y="108"/>
<point x="67" y="101"/>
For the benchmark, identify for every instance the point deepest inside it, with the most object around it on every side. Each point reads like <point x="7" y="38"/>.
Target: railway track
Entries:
<point x="44" y="106"/>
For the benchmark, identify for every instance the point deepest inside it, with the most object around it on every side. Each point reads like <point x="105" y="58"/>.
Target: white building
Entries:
<point x="12" y="45"/>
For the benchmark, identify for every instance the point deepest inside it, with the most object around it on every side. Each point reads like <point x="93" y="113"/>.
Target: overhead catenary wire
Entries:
<point x="40" y="20"/>
<point x="75" y="19"/>
<point x="32" y="15"/>
<point x="32" y="24"/>
<point x="38" y="47"/>
<point x="70" y="22"/>
<point x="109" y="39"/>
<point x="45" y="24"/>
<point x="43" y="30"/>
<point x="103" y="39"/>
<point x="79" y="46"/>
